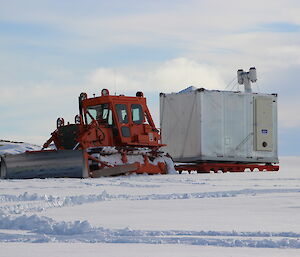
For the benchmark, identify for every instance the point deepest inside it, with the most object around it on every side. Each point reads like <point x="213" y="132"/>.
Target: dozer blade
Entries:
<point x="44" y="164"/>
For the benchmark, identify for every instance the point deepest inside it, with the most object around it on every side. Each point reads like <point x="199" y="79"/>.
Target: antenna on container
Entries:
<point x="245" y="77"/>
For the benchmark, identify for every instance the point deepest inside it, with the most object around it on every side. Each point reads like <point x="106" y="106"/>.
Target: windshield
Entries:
<point x="102" y="113"/>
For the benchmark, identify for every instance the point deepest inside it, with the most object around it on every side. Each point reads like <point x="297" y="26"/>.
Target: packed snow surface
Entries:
<point x="11" y="147"/>
<point x="241" y="214"/>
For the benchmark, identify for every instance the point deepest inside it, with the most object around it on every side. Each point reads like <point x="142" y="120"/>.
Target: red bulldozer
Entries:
<point x="112" y="135"/>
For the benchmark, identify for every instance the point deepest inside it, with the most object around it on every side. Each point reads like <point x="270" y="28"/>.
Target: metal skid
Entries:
<point x="208" y="167"/>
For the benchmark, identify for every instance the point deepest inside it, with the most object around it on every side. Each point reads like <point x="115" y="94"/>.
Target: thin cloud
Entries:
<point x="172" y="75"/>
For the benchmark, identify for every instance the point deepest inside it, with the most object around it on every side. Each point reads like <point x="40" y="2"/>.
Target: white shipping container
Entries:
<point x="212" y="125"/>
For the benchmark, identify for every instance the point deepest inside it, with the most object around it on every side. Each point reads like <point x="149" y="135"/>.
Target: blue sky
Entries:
<point x="50" y="51"/>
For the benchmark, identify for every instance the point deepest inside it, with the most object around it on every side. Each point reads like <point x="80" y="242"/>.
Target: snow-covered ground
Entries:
<point x="11" y="147"/>
<point x="245" y="214"/>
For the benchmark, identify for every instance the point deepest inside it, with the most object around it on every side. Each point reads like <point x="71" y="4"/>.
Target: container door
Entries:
<point x="263" y="126"/>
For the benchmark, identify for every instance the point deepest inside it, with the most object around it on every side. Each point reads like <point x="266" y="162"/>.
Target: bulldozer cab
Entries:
<point x="128" y="118"/>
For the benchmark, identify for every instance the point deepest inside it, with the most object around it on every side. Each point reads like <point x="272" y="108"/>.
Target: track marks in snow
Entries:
<point x="43" y="225"/>
<point x="37" y="203"/>
<point x="44" y="229"/>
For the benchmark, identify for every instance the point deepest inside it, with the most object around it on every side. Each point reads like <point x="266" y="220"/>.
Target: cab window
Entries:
<point x="122" y="113"/>
<point x="102" y="113"/>
<point x="137" y="113"/>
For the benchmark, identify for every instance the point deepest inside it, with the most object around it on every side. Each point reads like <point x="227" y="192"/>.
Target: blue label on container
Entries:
<point x="264" y="131"/>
